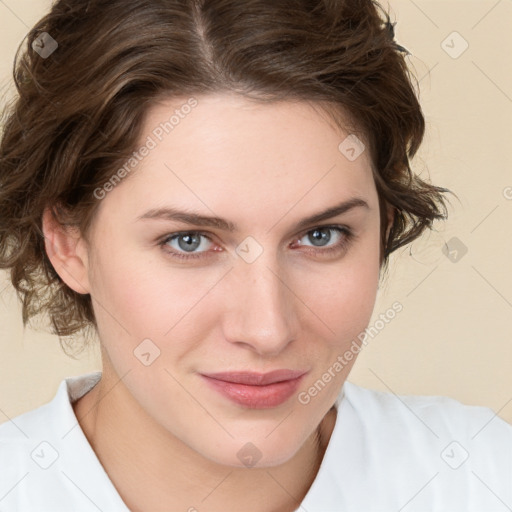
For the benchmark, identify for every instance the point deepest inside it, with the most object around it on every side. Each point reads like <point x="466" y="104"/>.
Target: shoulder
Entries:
<point x="52" y="418"/>
<point x="46" y="462"/>
<point x="438" y="414"/>
<point x="392" y="452"/>
<point x="445" y="454"/>
<point x="18" y="434"/>
<point x="27" y="451"/>
<point x="28" y="440"/>
<point x="24" y="425"/>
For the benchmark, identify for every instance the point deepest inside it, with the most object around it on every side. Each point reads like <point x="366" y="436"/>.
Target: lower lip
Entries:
<point x="256" y="397"/>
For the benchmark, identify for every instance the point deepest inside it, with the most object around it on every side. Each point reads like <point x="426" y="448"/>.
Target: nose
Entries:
<point x="263" y="313"/>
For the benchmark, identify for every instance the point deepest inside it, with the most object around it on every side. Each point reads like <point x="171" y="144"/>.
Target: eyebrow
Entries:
<point x="196" y="219"/>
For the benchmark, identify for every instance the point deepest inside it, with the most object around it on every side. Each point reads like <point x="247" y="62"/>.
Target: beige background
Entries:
<point x="454" y="335"/>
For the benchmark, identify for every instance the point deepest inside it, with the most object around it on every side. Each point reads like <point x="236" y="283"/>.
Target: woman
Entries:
<point x="214" y="190"/>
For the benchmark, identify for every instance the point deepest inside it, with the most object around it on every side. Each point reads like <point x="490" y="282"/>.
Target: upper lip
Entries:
<point x="256" y="379"/>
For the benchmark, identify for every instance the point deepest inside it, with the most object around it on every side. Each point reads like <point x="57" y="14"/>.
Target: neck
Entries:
<point x="149" y="466"/>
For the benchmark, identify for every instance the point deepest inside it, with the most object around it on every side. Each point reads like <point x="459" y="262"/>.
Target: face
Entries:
<point x="264" y="289"/>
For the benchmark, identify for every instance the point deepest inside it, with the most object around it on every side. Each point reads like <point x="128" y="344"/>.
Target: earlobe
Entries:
<point x="66" y="251"/>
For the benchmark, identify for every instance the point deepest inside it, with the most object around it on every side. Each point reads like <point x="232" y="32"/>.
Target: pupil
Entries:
<point x="321" y="234"/>
<point x="189" y="242"/>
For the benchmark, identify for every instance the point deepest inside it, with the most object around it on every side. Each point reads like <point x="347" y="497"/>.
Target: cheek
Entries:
<point x="344" y="293"/>
<point x="344" y="303"/>
<point x="140" y="296"/>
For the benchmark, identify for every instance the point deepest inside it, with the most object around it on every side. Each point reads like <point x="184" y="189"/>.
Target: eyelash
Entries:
<point x="345" y="240"/>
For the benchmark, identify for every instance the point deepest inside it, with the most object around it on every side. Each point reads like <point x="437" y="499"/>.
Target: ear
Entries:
<point x="67" y="252"/>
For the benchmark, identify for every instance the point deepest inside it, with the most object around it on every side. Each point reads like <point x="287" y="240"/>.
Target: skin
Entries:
<point x="160" y="427"/>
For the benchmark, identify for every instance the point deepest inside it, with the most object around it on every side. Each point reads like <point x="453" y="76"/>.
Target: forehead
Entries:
<point x="252" y="155"/>
<point x="232" y="120"/>
<point x="230" y="130"/>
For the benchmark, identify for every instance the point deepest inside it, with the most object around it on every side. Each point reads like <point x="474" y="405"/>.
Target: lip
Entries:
<point x="256" y="390"/>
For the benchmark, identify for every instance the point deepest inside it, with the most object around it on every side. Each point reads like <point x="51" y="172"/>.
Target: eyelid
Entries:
<point x="208" y="235"/>
<point x="323" y="226"/>
<point x="168" y="236"/>
<point x="345" y="231"/>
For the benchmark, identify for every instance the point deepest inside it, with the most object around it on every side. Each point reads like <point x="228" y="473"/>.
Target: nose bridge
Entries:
<point x="264" y="315"/>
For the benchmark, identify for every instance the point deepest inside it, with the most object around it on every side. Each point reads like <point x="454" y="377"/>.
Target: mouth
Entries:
<point x="256" y="390"/>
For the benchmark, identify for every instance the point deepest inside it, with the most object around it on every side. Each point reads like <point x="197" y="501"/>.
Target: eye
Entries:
<point x="322" y="235"/>
<point x="187" y="242"/>
<point x="183" y="245"/>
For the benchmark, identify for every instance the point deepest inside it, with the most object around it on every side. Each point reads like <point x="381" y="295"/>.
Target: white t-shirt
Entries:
<point x="386" y="453"/>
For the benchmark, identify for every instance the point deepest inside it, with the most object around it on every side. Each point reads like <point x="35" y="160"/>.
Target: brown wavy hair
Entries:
<point x="78" y="112"/>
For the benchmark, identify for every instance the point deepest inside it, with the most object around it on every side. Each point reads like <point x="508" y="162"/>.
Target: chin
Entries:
<point x="253" y="454"/>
